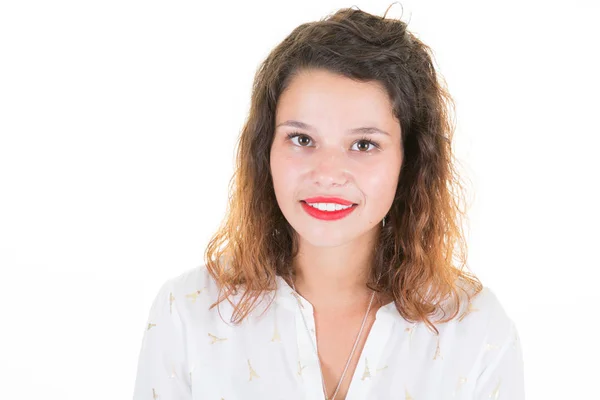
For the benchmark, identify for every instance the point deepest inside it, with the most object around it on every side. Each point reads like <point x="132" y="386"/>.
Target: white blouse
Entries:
<point x="188" y="352"/>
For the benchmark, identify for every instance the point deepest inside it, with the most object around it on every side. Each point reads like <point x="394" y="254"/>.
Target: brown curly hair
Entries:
<point x="421" y="251"/>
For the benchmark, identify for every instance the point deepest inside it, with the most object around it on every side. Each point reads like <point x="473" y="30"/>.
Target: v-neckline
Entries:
<point x="377" y="337"/>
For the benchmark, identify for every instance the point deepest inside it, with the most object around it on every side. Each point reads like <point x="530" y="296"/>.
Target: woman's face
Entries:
<point x="332" y="156"/>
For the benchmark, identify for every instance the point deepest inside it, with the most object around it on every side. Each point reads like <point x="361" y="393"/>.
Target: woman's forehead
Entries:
<point x="325" y="96"/>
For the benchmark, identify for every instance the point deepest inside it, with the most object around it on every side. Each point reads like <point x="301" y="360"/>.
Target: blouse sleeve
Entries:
<point x="503" y="378"/>
<point x="162" y="371"/>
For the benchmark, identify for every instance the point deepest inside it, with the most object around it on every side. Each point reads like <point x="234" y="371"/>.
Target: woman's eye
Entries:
<point x="365" y="145"/>
<point x="302" y="139"/>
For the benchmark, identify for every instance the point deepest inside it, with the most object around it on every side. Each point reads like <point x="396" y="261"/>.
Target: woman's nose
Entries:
<point x="329" y="167"/>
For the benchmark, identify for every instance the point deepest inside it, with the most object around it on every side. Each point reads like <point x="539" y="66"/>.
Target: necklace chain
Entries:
<point x="351" y="353"/>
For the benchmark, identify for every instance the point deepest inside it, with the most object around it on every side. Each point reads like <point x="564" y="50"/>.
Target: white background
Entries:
<point x="118" y="122"/>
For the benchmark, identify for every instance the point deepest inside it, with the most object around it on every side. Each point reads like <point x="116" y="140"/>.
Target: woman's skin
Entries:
<point x="327" y="159"/>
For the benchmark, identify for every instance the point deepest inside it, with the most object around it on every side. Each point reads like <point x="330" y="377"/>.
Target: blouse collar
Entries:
<point x="287" y="297"/>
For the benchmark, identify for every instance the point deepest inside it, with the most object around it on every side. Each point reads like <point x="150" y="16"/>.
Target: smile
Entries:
<point x="327" y="211"/>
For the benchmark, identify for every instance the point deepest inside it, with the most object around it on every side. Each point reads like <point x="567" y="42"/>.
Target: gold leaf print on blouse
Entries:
<point x="171" y="300"/>
<point x="410" y="331"/>
<point x="407" y="395"/>
<point x="276" y="337"/>
<point x="154" y="394"/>
<point x="380" y="369"/>
<point x="437" y="350"/>
<point x="173" y="371"/>
<point x="367" y="373"/>
<point x="468" y="311"/>
<point x="150" y="325"/>
<point x="194" y="295"/>
<point x="496" y="392"/>
<point x="253" y="373"/>
<point x="461" y="381"/>
<point x="216" y="339"/>
<point x="489" y="346"/>
<point x="300" y="368"/>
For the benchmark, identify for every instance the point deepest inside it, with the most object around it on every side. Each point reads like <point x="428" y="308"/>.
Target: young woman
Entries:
<point x="339" y="270"/>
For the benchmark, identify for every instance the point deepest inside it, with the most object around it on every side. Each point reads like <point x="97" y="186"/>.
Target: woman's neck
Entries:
<point x="334" y="278"/>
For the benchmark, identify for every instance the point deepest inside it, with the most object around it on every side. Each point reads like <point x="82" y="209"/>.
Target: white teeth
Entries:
<point x="328" y="206"/>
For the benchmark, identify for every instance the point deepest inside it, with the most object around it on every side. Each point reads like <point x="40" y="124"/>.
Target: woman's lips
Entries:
<point x="327" y="215"/>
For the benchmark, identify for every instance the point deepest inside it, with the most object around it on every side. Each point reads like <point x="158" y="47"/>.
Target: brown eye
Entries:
<point x="365" y="145"/>
<point x="302" y="139"/>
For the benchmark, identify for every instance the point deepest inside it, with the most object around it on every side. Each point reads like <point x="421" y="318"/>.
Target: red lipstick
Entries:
<point x="327" y="215"/>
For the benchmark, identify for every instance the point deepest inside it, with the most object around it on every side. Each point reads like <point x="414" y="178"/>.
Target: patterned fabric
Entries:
<point x="189" y="352"/>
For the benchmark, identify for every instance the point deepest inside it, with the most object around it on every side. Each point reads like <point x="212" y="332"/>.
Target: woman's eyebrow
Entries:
<point x="366" y="130"/>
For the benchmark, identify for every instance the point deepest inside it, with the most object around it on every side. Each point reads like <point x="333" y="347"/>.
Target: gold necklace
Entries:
<point x="317" y="353"/>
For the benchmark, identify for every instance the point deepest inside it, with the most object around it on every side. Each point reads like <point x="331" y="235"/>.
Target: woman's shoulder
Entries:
<point x="486" y="310"/>
<point x="193" y="284"/>
<point x="480" y="331"/>
<point x="483" y="319"/>
<point x="190" y="291"/>
<point x="194" y="294"/>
